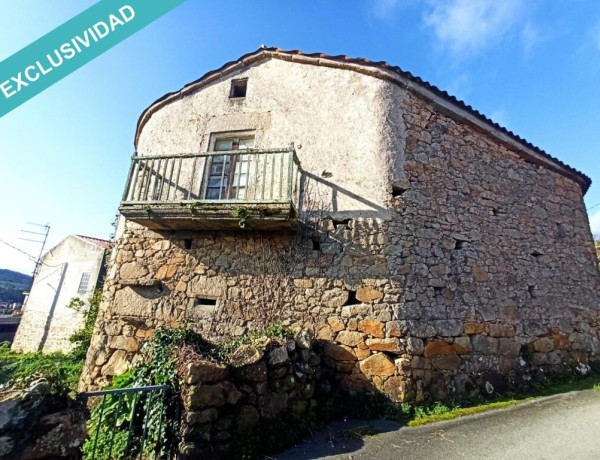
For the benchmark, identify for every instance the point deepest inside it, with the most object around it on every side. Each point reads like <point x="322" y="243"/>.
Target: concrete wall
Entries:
<point x="47" y="322"/>
<point x="483" y="266"/>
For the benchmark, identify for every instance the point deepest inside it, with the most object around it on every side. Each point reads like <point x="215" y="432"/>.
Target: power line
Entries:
<point x="595" y="206"/>
<point x="32" y="258"/>
<point x="44" y="234"/>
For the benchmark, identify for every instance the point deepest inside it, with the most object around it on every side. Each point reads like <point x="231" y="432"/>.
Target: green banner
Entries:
<point x="73" y="44"/>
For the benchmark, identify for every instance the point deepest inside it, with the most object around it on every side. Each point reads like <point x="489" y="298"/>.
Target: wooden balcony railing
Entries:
<point x="214" y="190"/>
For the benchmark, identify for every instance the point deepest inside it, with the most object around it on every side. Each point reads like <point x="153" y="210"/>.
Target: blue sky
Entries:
<point x="531" y="65"/>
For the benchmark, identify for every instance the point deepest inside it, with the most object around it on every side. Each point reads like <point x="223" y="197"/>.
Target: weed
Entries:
<point x="60" y="370"/>
<point x="241" y="214"/>
<point x="358" y="433"/>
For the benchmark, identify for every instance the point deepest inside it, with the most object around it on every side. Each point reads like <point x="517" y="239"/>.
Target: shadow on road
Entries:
<point x="341" y="437"/>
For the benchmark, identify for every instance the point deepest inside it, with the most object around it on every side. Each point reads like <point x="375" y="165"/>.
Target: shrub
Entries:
<point x="18" y="370"/>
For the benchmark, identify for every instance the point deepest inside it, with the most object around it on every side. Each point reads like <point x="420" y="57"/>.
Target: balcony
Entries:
<point x="250" y="189"/>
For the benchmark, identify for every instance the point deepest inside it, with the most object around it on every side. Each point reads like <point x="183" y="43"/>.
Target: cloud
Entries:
<point x="595" y="224"/>
<point x="596" y="36"/>
<point x="465" y="27"/>
<point x="530" y="36"/>
<point x="382" y="9"/>
<point x="460" y="87"/>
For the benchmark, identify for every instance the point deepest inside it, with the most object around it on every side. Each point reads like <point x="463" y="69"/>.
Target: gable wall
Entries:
<point x="47" y="321"/>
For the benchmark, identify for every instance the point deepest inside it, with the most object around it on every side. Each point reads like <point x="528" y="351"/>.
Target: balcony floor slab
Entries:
<point x="211" y="216"/>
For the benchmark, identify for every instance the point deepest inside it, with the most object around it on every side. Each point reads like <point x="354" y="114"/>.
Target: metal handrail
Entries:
<point x="186" y="177"/>
<point x="117" y="391"/>
<point x="215" y="153"/>
<point x="137" y="434"/>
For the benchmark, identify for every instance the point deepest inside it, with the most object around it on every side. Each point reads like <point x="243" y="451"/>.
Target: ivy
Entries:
<point x="223" y="351"/>
<point x="158" y="415"/>
<point x="83" y="337"/>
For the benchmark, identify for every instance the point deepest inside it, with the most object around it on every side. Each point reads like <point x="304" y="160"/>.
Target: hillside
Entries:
<point x="12" y="285"/>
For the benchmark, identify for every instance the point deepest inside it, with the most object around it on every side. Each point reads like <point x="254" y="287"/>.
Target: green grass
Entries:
<point x="20" y="369"/>
<point x="422" y="415"/>
<point x="60" y="370"/>
<point x="359" y="432"/>
<point x="461" y="412"/>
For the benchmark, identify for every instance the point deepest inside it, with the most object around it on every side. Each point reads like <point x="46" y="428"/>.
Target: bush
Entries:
<point x="18" y="370"/>
<point x="83" y="337"/>
<point x="142" y="424"/>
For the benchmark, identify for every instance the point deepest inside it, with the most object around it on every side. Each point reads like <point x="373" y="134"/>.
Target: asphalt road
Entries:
<point x="565" y="426"/>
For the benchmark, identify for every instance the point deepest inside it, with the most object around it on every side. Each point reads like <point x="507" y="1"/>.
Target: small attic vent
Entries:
<point x="238" y="88"/>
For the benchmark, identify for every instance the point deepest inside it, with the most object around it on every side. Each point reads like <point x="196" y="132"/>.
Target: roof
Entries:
<point x="97" y="241"/>
<point x="383" y="70"/>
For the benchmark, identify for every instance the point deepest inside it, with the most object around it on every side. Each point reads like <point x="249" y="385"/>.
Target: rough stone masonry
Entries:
<point x="448" y="252"/>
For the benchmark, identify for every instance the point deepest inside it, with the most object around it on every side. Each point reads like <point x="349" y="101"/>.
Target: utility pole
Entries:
<point x="41" y="238"/>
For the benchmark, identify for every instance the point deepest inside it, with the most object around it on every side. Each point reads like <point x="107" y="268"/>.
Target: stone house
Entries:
<point x="425" y="245"/>
<point x="73" y="268"/>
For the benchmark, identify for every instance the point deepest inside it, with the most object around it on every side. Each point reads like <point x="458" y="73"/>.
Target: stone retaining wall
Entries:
<point x="224" y="402"/>
<point x="37" y="425"/>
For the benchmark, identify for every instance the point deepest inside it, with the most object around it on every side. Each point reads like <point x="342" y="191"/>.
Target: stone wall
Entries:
<point x="224" y="403"/>
<point x="478" y="266"/>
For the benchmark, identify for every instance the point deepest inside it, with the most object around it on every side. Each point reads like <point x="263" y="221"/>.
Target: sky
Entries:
<point x="530" y="65"/>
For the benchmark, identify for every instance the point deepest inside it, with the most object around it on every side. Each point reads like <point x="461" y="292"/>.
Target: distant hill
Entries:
<point x="12" y="285"/>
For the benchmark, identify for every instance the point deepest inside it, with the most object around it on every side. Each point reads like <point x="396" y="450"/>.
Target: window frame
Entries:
<point x="236" y="83"/>
<point x="84" y="283"/>
<point x="231" y="178"/>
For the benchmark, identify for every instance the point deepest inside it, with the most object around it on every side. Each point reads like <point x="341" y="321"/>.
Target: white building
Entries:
<point x="73" y="268"/>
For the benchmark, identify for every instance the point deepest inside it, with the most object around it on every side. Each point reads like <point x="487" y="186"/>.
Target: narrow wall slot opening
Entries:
<point x="316" y="244"/>
<point x="532" y="291"/>
<point x="204" y="302"/>
<point x="187" y="243"/>
<point x="460" y="244"/>
<point x="352" y="300"/>
<point x="339" y="222"/>
<point x="399" y="188"/>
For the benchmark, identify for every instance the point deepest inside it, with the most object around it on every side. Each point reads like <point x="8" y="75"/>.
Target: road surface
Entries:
<point x="565" y="426"/>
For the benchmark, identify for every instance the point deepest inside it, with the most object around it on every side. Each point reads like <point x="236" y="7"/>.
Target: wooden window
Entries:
<point x="228" y="175"/>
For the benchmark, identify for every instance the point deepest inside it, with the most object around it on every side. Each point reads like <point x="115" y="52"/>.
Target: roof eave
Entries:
<point x="456" y="108"/>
